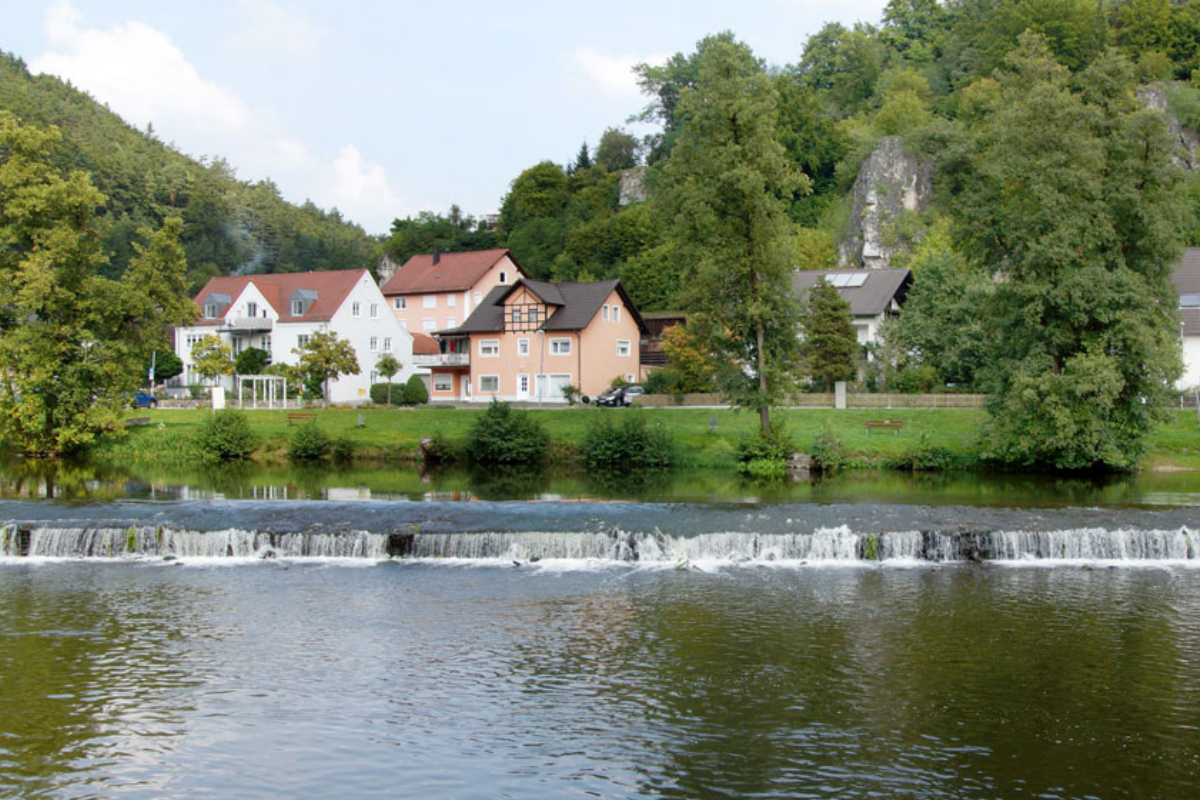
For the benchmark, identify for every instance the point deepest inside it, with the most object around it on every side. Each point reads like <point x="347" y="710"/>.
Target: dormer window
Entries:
<point x="210" y="311"/>
<point x="297" y="308"/>
<point x="503" y="276"/>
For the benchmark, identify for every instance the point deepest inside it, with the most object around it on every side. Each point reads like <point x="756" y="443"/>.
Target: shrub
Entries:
<point x="342" y="450"/>
<point x="379" y="394"/>
<point x="915" y="380"/>
<point x="660" y="381"/>
<point x="828" y="455"/>
<point x="570" y="394"/>
<point x="925" y="455"/>
<point x="226" y="436"/>
<point x="504" y="435"/>
<point x="629" y="443"/>
<point x="415" y="393"/>
<point x="251" y="361"/>
<point x="308" y="443"/>
<point x="765" y="455"/>
<point x="437" y="450"/>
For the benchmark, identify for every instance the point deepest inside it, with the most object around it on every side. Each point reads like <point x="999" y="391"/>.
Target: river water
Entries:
<point x="194" y="648"/>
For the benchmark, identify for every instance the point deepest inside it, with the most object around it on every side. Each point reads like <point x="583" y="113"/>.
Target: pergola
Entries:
<point x="272" y="387"/>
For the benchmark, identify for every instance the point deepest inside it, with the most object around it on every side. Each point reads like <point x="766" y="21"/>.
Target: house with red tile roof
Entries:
<point x="279" y="312"/>
<point x="527" y="340"/>
<point x="435" y="291"/>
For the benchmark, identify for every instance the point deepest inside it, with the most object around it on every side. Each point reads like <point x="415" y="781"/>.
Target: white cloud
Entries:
<point x="361" y="191"/>
<point x="137" y="71"/>
<point x="611" y="74"/>
<point x="264" y="27"/>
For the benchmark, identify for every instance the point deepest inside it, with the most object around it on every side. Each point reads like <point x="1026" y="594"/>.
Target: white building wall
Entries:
<point x="355" y="389"/>
<point x="1191" y="363"/>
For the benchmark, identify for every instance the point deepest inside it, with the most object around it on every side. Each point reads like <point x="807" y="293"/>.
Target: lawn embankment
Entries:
<point x="393" y="434"/>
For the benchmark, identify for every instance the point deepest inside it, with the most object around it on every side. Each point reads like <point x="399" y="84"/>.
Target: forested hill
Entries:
<point x="229" y="225"/>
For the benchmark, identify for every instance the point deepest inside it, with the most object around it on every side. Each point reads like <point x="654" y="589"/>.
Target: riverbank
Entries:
<point x="704" y="438"/>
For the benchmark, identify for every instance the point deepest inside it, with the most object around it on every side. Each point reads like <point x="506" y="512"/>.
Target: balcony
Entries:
<point x="250" y="323"/>
<point x="442" y="360"/>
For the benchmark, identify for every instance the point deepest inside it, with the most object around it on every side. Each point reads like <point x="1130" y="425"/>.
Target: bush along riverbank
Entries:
<point x="934" y="439"/>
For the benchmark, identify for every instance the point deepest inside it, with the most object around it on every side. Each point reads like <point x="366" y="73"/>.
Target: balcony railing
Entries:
<point x="250" y="323"/>
<point x="442" y="360"/>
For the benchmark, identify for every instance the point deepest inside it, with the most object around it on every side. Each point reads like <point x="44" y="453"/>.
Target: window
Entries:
<point x="210" y="311"/>
<point x="266" y="345"/>
<point x="604" y="313"/>
<point x="443" y="383"/>
<point x="429" y="324"/>
<point x="374" y="377"/>
<point x="516" y="316"/>
<point x="251" y="309"/>
<point x="503" y="276"/>
<point x="451" y="322"/>
<point x="478" y="298"/>
<point x="523" y="384"/>
<point x="489" y="384"/>
<point x="450" y="300"/>
<point x="1189" y="301"/>
<point x="522" y="347"/>
<point x="356" y="309"/>
<point x="387" y="344"/>
<point x="616" y="313"/>
<point x="533" y="315"/>
<point x="429" y="301"/>
<point x="623" y="348"/>
<point x="297" y="308"/>
<point x="374" y="345"/>
<point x="399" y="303"/>
<point x="489" y="347"/>
<point x="560" y="347"/>
<point x="374" y="310"/>
<point x="302" y="341"/>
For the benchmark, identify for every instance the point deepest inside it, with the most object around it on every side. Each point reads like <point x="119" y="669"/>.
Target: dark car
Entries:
<point x="141" y="399"/>
<point x="620" y="396"/>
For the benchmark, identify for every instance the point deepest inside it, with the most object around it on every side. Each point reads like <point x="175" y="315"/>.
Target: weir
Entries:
<point x="841" y="545"/>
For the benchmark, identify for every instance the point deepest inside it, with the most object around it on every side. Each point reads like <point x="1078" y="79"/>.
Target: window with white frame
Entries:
<point x="429" y="324"/>
<point x="489" y="347"/>
<point x="429" y="301"/>
<point x="623" y="347"/>
<point x="450" y="301"/>
<point x="560" y="347"/>
<point x="374" y="344"/>
<point x="523" y="384"/>
<point x="489" y="384"/>
<point x="604" y="313"/>
<point x="374" y="377"/>
<point x="616" y="313"/>
<point x="443" y="383"/>
<point x="516" y="316"/>
<point x="266" y="345"/>
<point x="297" y="308"/>
<point x="302" y="341"/>
<point x="533" y="315"/>
<point x="356" y="309"/>
<point x="522" y="347"/>
<point x="478" y="298"/>
<point x="503" y="276"/>
<point x="251" y="309"/>
<point x="399" y="303"/>
<point x="374" y="310"/>
<point x="387" y="344"/>
<point x="210" y="311"/>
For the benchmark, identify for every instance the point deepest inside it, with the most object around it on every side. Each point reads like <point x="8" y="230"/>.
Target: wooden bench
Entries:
<point x="893" y="425"/>
<point x="301" y="416"/>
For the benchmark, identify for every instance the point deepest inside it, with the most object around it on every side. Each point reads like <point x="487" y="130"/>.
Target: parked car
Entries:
<point x="140" y="399"/>
<point x="619" y="396"/>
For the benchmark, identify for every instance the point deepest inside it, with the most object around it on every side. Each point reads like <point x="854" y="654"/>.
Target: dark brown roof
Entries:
<point x="1186" y="277"/>
<point x="578" y="305"/>
<point x="425" y="345"/>
<point x="869" y="300"/>
<point x="454" y="272"/>
<point x="331" y="289"/>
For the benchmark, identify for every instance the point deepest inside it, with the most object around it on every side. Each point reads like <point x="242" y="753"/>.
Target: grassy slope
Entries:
<point x="395" y="433"/>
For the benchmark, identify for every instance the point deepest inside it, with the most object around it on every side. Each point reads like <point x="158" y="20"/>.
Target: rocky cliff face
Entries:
<point x="889" y="183"/>
<point x="633" y="186"/>
<point x="1188" y="155"/>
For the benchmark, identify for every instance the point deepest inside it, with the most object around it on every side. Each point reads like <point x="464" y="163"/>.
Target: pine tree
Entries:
<point x="829" y="343"/>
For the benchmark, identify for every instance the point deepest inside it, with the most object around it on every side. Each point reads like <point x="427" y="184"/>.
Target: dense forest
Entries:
<point x="228" y="225"/>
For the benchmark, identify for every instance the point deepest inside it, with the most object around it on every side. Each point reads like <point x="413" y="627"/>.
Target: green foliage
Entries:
<point x="251" y="361"/>
<point x="438" y="451"/>
<point x="226" y="436"/>
<point x="308" y="443"/>
<point x="341" y="450"/>
<point x="167" y="365"/>
<point x="212" y="358"/>
<point x="1074" y="193"/>
<point x="830" y="344"/>
<point x="925" y="455"/>
<point x="415" y="393"/>
<point x="504" y="435"/>
<point x="387" y="366"/>
<point x="618" y="150"/>
<point x="723" y="186"/>
<point x="765" y="454"/>
<point x="828" y="453"/>
<point x="323" y="359"/>
<point x="842" y="65"/>
<point x="382" y="394"/>
<point x="73" y="343"/>
<point x="629" y="443"/>
<point x="921" y="379"/>
<point x="653" y="278"/>
<point x="426" y="231"/>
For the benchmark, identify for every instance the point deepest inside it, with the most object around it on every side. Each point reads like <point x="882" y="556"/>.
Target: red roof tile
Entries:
<point x="277" y="288"/>
<point x="454" y="272"/>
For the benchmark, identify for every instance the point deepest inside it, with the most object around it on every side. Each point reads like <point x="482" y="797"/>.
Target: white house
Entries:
<point x="873" y="294"/>
<point x="279" y="312"/>
<point x="1186" y="278"/>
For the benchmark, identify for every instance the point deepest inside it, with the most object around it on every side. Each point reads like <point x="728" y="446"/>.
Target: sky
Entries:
<point x="386" y="109"/>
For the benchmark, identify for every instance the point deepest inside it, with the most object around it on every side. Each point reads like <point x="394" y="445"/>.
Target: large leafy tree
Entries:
<point x="727" y="188"/>
<point x="325" y="358"/>
<point x="830" y="345"/>
<point x="72" y="342"/>
<point x="212" y="358"/>
<point x="1073" y="201"/>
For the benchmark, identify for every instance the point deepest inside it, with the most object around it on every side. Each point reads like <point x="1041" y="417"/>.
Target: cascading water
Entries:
<point x="824" y="545"/>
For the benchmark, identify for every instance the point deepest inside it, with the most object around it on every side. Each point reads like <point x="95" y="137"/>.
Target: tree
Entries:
<point x="388" y="366"/>
<point x="73" y="343"/>
<point x="324" y="359"/>
<point x="251" y="361"/>
<point x="617" y="150"/>
<point x="726" y="186"/>
<point x="167" y="365"/>
<point x="1074" y="199"/>
<point x="690" y="366"/>
<point x="415" y="392"/>
<point x="827" y="329"/>
<point x="583" y="159"/>
<point x="212" y="358"/>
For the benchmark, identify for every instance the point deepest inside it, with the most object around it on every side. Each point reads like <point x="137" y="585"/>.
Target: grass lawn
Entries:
<point x="395" y="433"/>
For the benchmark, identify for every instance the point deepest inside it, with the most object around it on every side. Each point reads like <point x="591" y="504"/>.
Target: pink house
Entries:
<point x="529" y="339"/>
<point x="435" y="291"/>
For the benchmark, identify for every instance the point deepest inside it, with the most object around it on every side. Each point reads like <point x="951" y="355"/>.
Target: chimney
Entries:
<point x="437" y="255"/>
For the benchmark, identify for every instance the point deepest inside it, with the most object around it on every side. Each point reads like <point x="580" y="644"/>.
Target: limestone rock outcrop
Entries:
<point x="889" y="183"/>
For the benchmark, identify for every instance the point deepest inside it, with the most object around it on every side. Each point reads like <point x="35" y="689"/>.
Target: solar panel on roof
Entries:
<point x="856" y="280"/>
